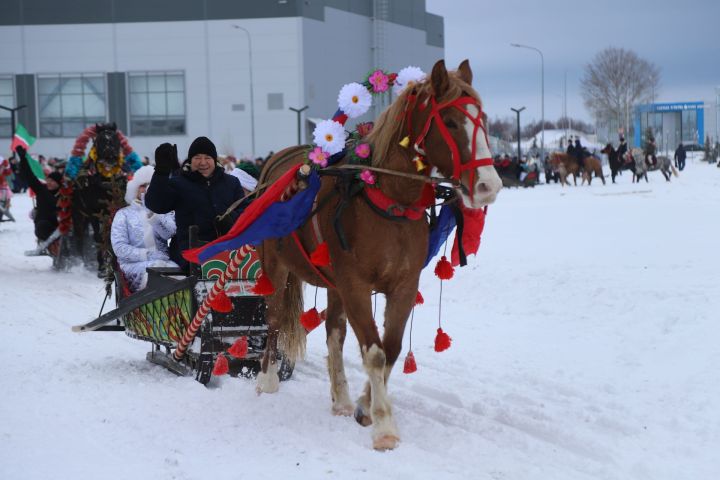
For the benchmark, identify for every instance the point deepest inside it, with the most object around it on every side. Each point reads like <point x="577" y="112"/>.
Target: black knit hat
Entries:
<point x="57" y="176"/>
<point x="202" y="145"/>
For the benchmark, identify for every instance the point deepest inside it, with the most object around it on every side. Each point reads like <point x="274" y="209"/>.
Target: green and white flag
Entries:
<point x="23" y="139"/>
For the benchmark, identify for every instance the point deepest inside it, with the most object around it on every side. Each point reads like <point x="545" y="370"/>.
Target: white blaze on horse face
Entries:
<point x="487" y="182"/>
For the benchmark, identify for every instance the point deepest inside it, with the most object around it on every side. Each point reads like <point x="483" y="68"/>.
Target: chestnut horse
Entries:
<point x="443" y="118"/>
<point x="566" y="165"/>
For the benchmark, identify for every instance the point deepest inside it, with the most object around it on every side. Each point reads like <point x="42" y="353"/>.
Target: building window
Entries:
<point x="157" y="103"/>
<point x="67" y="103"/>
<point x="7" y="99"/>
<point x="689" y="127"/>
<point x="275" y="101"/>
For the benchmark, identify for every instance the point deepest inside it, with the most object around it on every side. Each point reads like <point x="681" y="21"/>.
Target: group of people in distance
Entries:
<point x="162" y="203"/>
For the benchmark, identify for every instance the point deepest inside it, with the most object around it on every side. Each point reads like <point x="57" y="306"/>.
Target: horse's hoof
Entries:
<point x="267" y="383"/>
<point x="342" y="410"/>
<point x="386" y="442"/>
<point x="361" y="418"/>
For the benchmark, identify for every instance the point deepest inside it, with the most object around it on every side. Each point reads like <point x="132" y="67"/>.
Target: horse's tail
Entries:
<point x="292" y="333"/>
<point x="675" y="172"/>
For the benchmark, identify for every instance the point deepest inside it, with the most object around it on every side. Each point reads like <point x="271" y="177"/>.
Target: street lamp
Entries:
<point x="12" y="111"/>
<point x="299" y="112"/>
<point x="518" y="128"/>
<point x="252" y="101"/>
<point x="542" y="95"/>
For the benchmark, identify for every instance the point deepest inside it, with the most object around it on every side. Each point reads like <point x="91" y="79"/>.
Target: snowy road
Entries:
<point x="585" y="347"/>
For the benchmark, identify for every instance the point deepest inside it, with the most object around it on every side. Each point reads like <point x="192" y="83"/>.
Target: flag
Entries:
<point x="267" y="217"/>
<point x="22" y="138"/>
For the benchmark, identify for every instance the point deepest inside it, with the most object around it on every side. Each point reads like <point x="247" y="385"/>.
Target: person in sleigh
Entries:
<point x="140" y="237"/>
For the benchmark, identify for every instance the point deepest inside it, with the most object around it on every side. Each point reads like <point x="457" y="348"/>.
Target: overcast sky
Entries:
<point x="681" y="37"/>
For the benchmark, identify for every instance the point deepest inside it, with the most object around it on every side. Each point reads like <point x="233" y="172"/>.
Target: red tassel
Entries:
<point x="239" y="348"/>
<point x="221" y="366"/>
<point x="419" y="300"/>
<point x="221" y="303"/>
<point x="442" y="341"/>
<point x="320" y="257"/>
<point x="443" y="269"/>
<point x="310" y="319"/>
<point x="263" y="286"/>
<point x="410" y="365"/>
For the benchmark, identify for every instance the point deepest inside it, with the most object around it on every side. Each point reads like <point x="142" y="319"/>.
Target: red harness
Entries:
<point x="458" y="103"/>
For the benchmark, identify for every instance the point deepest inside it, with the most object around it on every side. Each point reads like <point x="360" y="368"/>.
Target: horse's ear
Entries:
<point x="465" y="72"/>
<point x="439" y="78"/>
<point x="114" y="126"/>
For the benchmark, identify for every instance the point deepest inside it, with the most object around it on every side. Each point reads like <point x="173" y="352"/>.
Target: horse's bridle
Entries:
<point x="436" y="108"/>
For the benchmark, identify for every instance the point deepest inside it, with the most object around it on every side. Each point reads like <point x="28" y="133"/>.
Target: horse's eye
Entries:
<point x="450" y="123"/>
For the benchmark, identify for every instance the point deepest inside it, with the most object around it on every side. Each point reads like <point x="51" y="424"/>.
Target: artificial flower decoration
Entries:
<point x="379" y="81"/>
<point x="354" y="100"/>
<point x="364" y="129"/>
<point x="405" y="77"/>
<point x="362" y="150"/>
<point x="330" y="136"/>
<point x="367" y="177"/>
<point x="319" y="157"/>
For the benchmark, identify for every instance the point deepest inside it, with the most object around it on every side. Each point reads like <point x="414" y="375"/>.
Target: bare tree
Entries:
<point x="615" y="81"/>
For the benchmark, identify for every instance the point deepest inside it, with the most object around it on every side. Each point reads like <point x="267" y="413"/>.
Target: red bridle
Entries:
<point x="458" y="103"/>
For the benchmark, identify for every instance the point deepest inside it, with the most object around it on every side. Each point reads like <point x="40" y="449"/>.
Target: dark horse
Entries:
<point x="442" y="116"/>
<point x="98" y="191"/>
<point x="617" y="164"/>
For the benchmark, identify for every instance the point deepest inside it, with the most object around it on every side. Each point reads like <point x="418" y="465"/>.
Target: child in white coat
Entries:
<point x="139" y="237"/>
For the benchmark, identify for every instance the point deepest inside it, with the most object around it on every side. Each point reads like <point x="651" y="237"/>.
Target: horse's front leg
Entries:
<point x="336" y="328"/>
<point x="373" y="406"/>
<point x="277" y="307"/>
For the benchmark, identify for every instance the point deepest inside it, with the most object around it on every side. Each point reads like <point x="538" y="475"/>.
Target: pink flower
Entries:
<point x="362" y="150"/>
<point x="379" y="81"/>
<point x="319" y="157"/>
<point x="367" y="177"/>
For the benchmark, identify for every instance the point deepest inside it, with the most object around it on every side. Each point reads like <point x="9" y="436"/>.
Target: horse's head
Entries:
<point x="107" y="144"/>
<point x="443" y="118"/>
<point x="608" y="149"/>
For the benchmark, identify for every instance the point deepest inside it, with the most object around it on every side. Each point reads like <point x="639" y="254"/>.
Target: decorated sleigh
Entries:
<point x="189" y="325"/>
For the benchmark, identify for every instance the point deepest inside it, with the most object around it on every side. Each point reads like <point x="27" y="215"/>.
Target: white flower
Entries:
<point x="354" y="100"/>
<point x="405" y="77"/>
<point x="330" y="136"/>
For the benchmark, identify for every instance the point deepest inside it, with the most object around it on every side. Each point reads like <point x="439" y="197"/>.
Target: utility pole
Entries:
<point x="518" y="129"/>
<point x="299" y="112"/>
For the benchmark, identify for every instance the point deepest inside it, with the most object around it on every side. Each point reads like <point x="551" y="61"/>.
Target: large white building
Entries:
<point x="172" y="70"/>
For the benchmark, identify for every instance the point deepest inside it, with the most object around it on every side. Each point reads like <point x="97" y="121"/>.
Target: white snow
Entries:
<point x="585" y="346"/>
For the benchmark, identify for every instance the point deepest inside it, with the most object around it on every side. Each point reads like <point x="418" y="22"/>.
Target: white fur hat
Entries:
<point x="140" y="177"/>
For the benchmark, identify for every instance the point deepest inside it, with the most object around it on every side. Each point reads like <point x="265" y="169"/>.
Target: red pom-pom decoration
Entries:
<point x="239" y="348"/>
<point x="320" y="257"/>
<point x="442" y="341"/>
<point x="221" y="303"/>
<point x="221" y="365"/>
<point x="310" y="319"/>
<point x="263" y="286"/>
<point x="419" y="300"/>
<point x="443" y="269"/>
<point x="410" y="365"/>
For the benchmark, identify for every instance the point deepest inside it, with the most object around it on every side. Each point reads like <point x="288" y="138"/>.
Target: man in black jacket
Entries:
<point x="45" y="218"/>
<point x="680" y="156"/>
<point x="199" y="193"/>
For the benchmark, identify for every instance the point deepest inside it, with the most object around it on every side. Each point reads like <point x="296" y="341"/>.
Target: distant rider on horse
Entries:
<point x="622" y="150"/>
<point x="650" y="149"/>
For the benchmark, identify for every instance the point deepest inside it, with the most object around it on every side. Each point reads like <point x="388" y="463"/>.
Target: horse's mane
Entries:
<point x="390" y="127"/>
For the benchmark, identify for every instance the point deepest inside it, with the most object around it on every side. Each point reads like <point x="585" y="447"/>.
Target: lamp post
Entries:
<point x="518" y="128"/>
<point x="542" y="95"/>
<point x="299" y="112"/>
<point x="12" y="121"/>
<point x="252" y="96"/>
